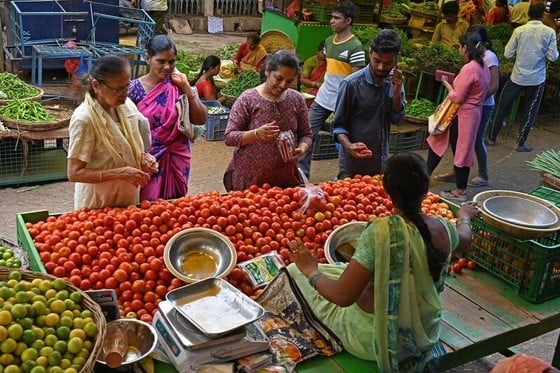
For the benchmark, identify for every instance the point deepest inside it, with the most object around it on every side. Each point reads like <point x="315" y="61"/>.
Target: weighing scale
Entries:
<point x="187" y="348"/>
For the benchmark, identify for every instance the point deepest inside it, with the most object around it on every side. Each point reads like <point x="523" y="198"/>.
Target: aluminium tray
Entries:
<point x="214" y="306"/>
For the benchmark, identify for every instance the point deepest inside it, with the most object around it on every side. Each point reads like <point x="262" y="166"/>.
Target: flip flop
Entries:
<point x="452" y="195"/>
<point x="446" y="178"/>
<point x="477" y="182"/>
<point x="490" y="142"/>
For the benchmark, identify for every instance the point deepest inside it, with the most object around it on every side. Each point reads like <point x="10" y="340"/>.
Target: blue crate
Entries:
<point x="215" y="127"/>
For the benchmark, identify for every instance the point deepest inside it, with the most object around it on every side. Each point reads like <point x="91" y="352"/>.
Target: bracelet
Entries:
<point x="100" y="176"/>
<point x="463" y="220"/>
<point x="313" y="278"/>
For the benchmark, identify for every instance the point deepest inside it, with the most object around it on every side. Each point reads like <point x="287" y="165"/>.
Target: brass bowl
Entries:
<point x="141" y="339"/>
<point x="196" y="254"/>
<point x="347" y="233"/>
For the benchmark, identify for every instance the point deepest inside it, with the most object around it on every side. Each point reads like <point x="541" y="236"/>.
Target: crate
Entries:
<point x="365" y="13"/>
<point x="324" y="146"/>
<point x="406" y="137"/>
<point x="321" y="12"/>
<point x="24" y="239"/>
<point x="215" y="127"/>
<point x="533" y="266"/>
<point x="551" y="195"/>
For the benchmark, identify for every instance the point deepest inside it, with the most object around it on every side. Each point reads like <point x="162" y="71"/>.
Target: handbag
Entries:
<point x="184" y="125"/>
<point x="440" y="120"/>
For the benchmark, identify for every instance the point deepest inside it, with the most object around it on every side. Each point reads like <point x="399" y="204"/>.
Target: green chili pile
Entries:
<point x="14" y="88"/>
<point x="31" y="111"/>
<point x="246" y="79"/>
<point x="420" y="108"/>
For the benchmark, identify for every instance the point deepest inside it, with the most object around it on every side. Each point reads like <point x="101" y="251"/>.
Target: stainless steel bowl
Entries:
<point x="196" y="254"/>
<point x="520" y="211"/>
<point x="347" y="233"/>
<point x="141" y="338"/>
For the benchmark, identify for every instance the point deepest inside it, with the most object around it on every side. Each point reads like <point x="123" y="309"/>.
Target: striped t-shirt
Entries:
<point x="341" y="58"/>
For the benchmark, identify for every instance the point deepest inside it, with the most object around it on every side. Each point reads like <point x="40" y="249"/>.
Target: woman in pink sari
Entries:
<point x="155" y="95"/>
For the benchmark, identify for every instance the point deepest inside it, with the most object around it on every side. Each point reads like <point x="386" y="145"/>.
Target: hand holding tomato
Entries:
<point x="359" y="150"/>
<point x="302" y="257"/>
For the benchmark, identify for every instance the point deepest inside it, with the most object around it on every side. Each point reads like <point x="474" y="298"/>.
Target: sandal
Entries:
<point x="454" y="195"/>
<point x="490" y="142"/>
<point x="446" y="178"/>
<point x="477" y="182"/>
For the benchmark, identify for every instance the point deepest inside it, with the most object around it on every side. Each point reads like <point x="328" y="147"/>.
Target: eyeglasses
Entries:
<point x="116" y="91"/>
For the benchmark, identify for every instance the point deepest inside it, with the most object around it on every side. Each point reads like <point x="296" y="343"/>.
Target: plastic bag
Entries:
<point x="440" y="120"/>
<point x="313" y="196"/>
<point x="262" y="269"/>
<point x="286" y="145"/>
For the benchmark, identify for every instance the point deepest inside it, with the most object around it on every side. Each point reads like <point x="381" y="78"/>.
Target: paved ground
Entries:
<point x="507" y="167"/>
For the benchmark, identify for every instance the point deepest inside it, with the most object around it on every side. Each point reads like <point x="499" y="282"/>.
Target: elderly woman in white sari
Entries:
<point x="384" y="305"/>
<point x="107" y="155"/>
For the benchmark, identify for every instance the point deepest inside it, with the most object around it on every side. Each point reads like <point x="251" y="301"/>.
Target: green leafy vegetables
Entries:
<point x="547" y="162"/>
<point x="420" y="108"/>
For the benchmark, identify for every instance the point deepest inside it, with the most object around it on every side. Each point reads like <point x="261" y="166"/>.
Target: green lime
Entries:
<point x="62" y="294"/>
<point x="60" y="346"/>
<point x="18" y="311"/>
<point x="49" y="330"/>
<point x="79" y="361"/>
<point x="78" y="323"/>
<point x="56" y="369"/>
<point x="23" y="296"/>
<point x="86" y="313"/>
<point x="30" y="311"/>
<point x="5" y="317"/>
<point x="38" y="369"/>
<point x="75" y="345"/>
<point x="50" y="340"/>
<point x="38" y="344"/>
<point x="51" y="293"/>
<point x="12" y="369"/>
<point x="70" y="370"/>
<point x="39" y="333"/>
<point x="54" y="358"/>
<point x="8" y="345"/>
<point x="90" y="329"/>
<point x="6" y="292"/>
<point x="27" y="365"/>
<point x="46" y="351"/>
<point x="29" y="354"/>
<point x="39" y="307"/>
<point x="59" y="284"/>
<point x="66" y="321"/>
<point x="3" y="333"/>
<point x="22" y="286"/>
<point x="6" y="359"/>
<point x="63" y="332"/>
<point x="15" y="275"/>
<point x="7" y="255"/>
<point x="52" y="319"/>
<point x="69" y="303"/>
<point x="57" y="306"/>
<point x="45" y="285"/>
<point x="20" y="348"/>
<point x="76" y="296"/>
<point x="15" y="331"/>
<point x="42" y="361"/>
<point x="65" y="364"/>
<point x="88" y="345"/>
<point x="28" y="337"/>
<point x="79" y="333"/>
<point x="26" y="323"/>
<point x="40" y="320"/>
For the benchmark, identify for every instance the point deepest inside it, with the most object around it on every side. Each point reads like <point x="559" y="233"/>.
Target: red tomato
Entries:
<point x="471" y="265"/>
<point x="457" y="268"/>
<point x="463" y="262"/>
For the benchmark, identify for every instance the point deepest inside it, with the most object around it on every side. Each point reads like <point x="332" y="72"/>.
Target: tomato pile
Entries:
<point x="122" y="248"/>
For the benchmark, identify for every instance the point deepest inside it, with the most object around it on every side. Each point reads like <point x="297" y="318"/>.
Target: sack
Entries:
<point x="189" y="130"/>
<point x="440" y="120"/>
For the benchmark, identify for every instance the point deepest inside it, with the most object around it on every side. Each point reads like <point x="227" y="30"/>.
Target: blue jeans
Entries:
<point x="317" y="117"/>
<point x="510" y="92"/>
<point x="479" y="146"/>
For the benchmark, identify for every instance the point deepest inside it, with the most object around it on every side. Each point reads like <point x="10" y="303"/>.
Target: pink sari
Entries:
<point x="169" y="146"/>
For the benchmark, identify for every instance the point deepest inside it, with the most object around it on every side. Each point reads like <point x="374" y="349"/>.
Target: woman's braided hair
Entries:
<point x="406" y="180"/>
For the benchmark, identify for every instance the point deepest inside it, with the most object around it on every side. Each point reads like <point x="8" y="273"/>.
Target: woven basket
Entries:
<point x="421" y="13"/>
<point x="392" y="20"/>
<point x="229" y="100"/>
<point x="37" y="97"/>
<point x="87" y="303"/>
<point x="550" y="181"/>
<point x="517" y="231"/>
<point x="273" y="40"/>
<point x="416" y="120"/>
<point x="63" y="115"/>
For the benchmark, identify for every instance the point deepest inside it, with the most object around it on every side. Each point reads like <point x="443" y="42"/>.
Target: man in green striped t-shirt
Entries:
<point x="345" y="54"/>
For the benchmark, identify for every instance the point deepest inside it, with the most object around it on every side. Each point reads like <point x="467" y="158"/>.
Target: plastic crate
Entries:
<point x="551" y="195"/>
<point x="324" y="147"/>
<point x="365" y="13"/>
<point x="321" y="12"/>
<point x="24" y="238"/>
<point x="532" y="266"/>
<point x="215" y="127"/>
<point x="406" y="137"/>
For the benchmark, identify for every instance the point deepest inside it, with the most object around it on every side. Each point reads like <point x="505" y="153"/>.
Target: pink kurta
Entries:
<point x="469" y="90"/>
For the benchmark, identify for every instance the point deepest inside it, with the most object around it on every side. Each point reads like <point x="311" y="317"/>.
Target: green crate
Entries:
<point x="404" y="138"/>
<point x="321" y="12"/>
<point x="532" y="266"/>
<point x="551" y="195"/>
<point x="24" y="238"/>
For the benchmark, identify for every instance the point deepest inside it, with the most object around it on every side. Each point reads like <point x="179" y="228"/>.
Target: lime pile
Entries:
<point x="7" y="258"/>
<point x="43" y="327"/>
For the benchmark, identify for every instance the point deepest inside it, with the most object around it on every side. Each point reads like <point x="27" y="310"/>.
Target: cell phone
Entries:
<point x="176" y="71"/>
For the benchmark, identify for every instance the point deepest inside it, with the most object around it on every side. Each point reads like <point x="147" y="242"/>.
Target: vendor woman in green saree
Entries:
<point x="384" y="305"/>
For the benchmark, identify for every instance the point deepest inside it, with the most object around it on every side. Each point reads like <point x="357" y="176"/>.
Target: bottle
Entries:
<point x="115" y="344"/>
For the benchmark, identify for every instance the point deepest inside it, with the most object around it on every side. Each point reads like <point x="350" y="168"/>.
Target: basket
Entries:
<point x="215" y="127"/>
<point x="273" y="40"/>
<point x="423" y="14"/>
<point x="550" y="181"/>
<point x="551" y="195"/>
<point x="87" y="303"/>
<point x="229" y="100"/>
<point x="416" y="120"/>
<point x="63" y="115"/>
<point x="404" y="138"/>
<point x="37" y="97"/>
<point x="392" y="20"/>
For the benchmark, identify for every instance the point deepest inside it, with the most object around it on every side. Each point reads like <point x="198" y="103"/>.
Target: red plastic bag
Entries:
<point x="313" y="196"/>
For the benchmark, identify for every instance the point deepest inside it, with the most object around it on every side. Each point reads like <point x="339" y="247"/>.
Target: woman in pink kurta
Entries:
<point x="469" y="90"/>
<point x="256" y="120"/>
